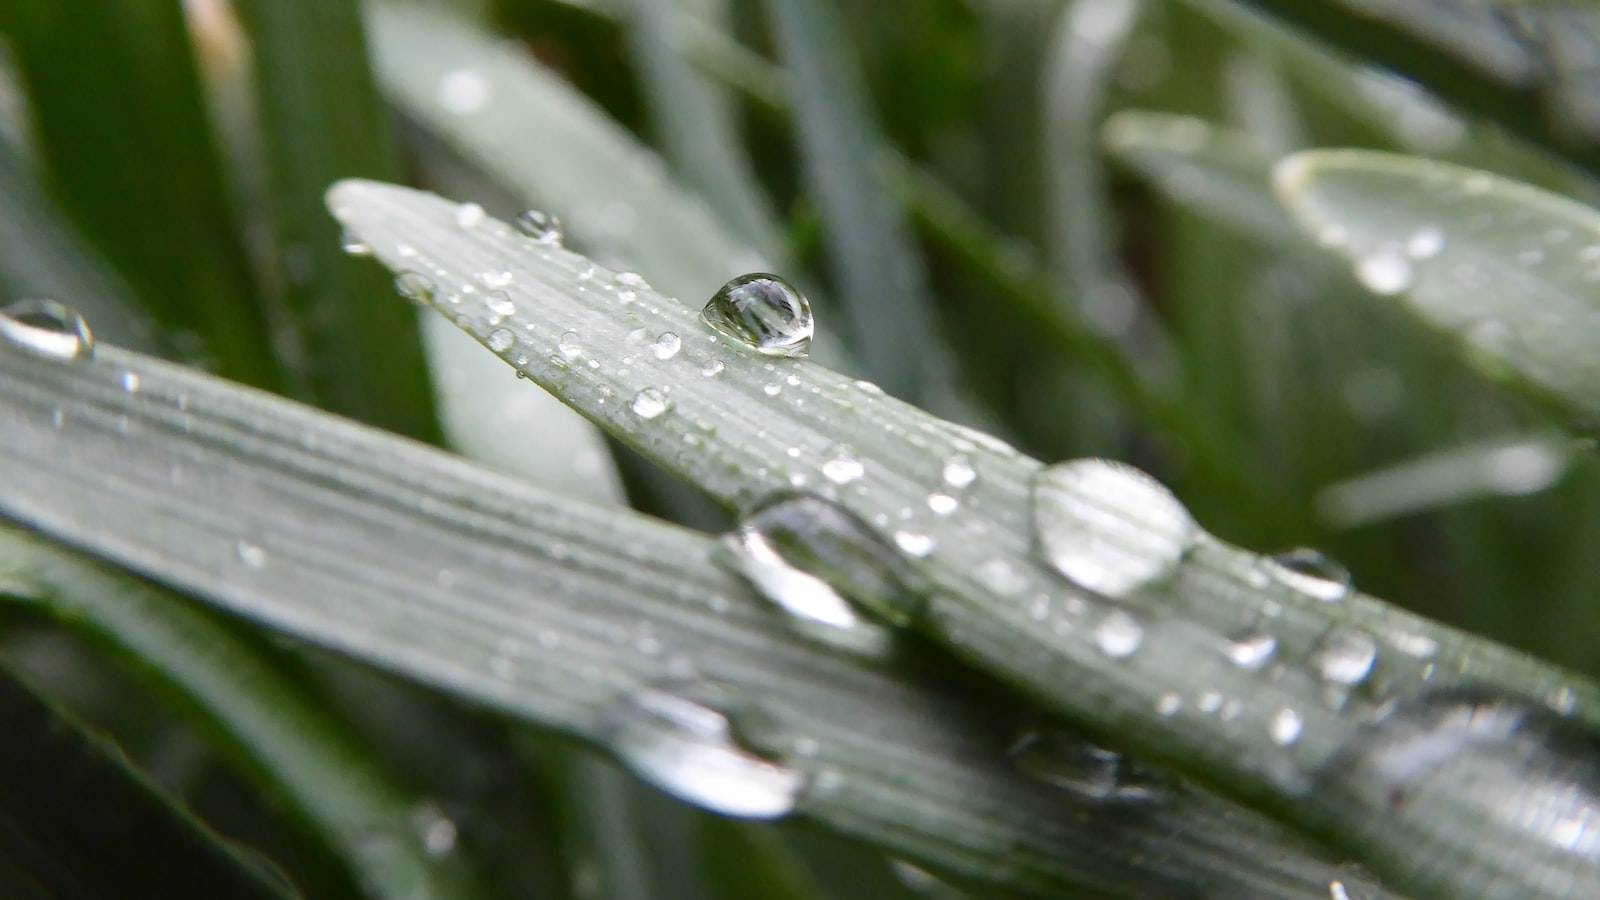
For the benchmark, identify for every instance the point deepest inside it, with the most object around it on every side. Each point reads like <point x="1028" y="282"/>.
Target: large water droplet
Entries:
<point x="649" y="403"/>
<point x="1064" y="759"/>
<point x="1311" y="572"/>
<point x="821" y="538"/>
<point x="1386" y="270"/>
<point x="1502" y="791"/>
<point x="543" y="227"/>
<point x="814" y="606"/>
<point x="500" y="340"/>
<point x="47" y="328"/>
<point x="763" y="311"/>
<point x="1345" y="656"/>
<point x="666" y="345"/>
<point x="1109" y="527"/>
<point x="678" y="737"/>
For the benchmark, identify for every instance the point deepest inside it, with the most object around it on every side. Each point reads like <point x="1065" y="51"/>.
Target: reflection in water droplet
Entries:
<point x="1386" y="270"/>
<point x="1251" y="651"/>
<point x="499" y="303"/>
<point x="959" y="472"/>
<point x="500" y="340"/>
<point x="843" y="467"/>
<point x="649" y="403"/>
<point x="47" y="328"/>
<point x="349" y="243"/>
<point x="570" y="345"/>
<point x="1109" y="527"/>
<point x="1345" y="655"/>
<point x="1501" y="791"/>
<point x="765" y="312"/>
<point x="678" y="737"/>
<point x="469" y="215"/>
<point x="1311" y="572"/>
<point x="1118" y="634"/>
<point x="414" y="286"/>
<point x="666" y="345"/>
<point x="543" y="227"/>
<point x="821" y="538"/>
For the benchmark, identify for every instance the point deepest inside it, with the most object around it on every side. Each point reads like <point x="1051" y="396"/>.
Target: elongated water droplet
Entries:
<point x="500" y="340"/>
<point x="678" y="736"/>
<point x="414" y="286"/>
<point x="633" y="280"/>
<point x="1345" y="656"/>
<point x="666" y="345"/>
<point x="1109" y="527"/>
<point x="1311" y="572"/>
<point x="820" y="538"/>
<point x="1067" y="760"/>
<point x="814" y="606"/>
<point x="649" y="403"/>
<point x="47" y="328"/>
<point x="1501" y="790"/>
<point x="353" y="245"/>
<point x="543" y="227"/>
<point x="765" y="312"/>
<point x="843" y="467"/>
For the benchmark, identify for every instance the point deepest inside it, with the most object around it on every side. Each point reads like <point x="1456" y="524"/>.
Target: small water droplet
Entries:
<point x="464" y="91"/>
<point x="712" y="368"/>
<point x="1311" y="572"/>
<point x="1425" y="242"/>
<point x="666" y="345"/>
<point x="570" y="345"/>
<point x="633" y="280"/>
<point x="1169" y="704"/>
<point x="843" y="467"/>
<point x="414" y="286"/>
<point x="943" y="504"/>
<point x="679" y="737"/>
<point x="500" y="340"/>
<point x="867" y="387"/>
<point x="649" y="403"/>
<point x="1109" y="527"/>
<point x="130" y="382"/>
<point x="47" y="328"/>
<point x="1000" y="576"/>
<point x="1386" y="270"/>
<point x="353" y="245"/>
<point x="1252" y="651"/>
<point x="772" y="389"/>
<point x="1286" y="727"/>
<point x="435" y="829"/>
<point x="1118" y="634"/>
<point x="469" y="215"/>
<point x="915" y="543"/>
<point x="1345" y="656"/>
<point x="1353" y="882"/>
<point x="496" y="278"/>
<point x="252" y="555"/>
<point x="542" y="227"/>
<point x="959" y="472"/>
<point x="1062" y="758"/>
<point x="763" y="311"/>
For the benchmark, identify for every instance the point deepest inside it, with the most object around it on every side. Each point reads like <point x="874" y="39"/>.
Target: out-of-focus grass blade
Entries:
<point x="123" y="141"/>
<point x="322" y="120"/>
<point x="879" y="274"/>
<point x="1508" y="268"/>
<point x="313" y="763"/>
<point x="76" y="820"/>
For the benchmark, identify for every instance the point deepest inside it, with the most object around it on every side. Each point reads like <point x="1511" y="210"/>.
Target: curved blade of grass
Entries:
<point x="880" y="282"/>
<point x="76" y="820"/>
<point x="1506" y="267"/>
<point x="317" y="766"/>
<point x="767" y="425"/>
<point x="322" y="120"/>
<point x="420" y="563"/>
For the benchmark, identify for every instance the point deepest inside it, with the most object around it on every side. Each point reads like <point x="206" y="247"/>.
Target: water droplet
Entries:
<point x="943" y="504"/>
<point x="414" y="286"/>
<point x="1064" y="759"/>
<point x="469" y="215"/>
<point x="570" y="345"/>
<point x="649" y="403"/>
<point x="772" y="389"/>
<point x="1118" y="635"/>
<point x="1311" y="572"/>
<point x="914" y="543"/>
<point x="47" y="328"/>
<point x="1352" y="882"/>
<point x="666" y="345"/>
<point x="679" y="737"/>
<point x="435" y="829"/>
<point x="765" y="312"/>
<point x="130" y="382"/>
<point x="1386" y="270"/>
<point x="843" y="467"/>
<point x="1169" y="704"/>
<point x="353" y="245"/>
<point x="543" y="227"/>
<point x="959" y="472"/>
<point x="500" y="340"/>
<point x="633" y="280"/>
<point x="1252" y="651"/>
<point x="1000" y="576"/>
<point x="1286" y="727"/>
<point x="712" y="368"/>
<point x="821" y="538"/>
<point x="499" y="303"/>
<point x="1425" y="242"/>
<point x="1109" y="527"/>
<point x="252" y="555"/>
<point x="464" y="91"/>
<point x="1345" y="656"/>
<point x="814" y="605"/>
<point x="1526" y="780"/>
<point x="496" y="278"/>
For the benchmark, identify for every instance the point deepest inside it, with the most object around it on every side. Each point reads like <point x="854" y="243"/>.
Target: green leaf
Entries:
<point x="1508" y="268"/>
<point x="364" y="356"/>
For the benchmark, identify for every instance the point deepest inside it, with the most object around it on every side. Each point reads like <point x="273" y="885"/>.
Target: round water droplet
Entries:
<point x="570" y="345"/>
<point x="47" y="328"/>
<point x="712" y="368"/>
<point x="1118" y="635"/>
<point x="1287" y="726"/>
<point x="1109" y="527"/>
<point x="1345" y="656"/>
<point x="1516" y="786"/>
<point x="353" y="245"/>
<point x="543" y="227"/>
<point x="1311" y="572"/>
<point x="469" y="215"/>
<point x="843" y="467"/>
<point x="1252" y="651"/>
<point x="414" y="286"/>
<point x="649" y="403"/>
<point x="1386" y="270"/>
<point x="500" y="340"/>
<point x="943" y="504"/>
<point x="959" y="472"/>
<point x="679" y="737"/>
<point x="666" y="345"/>
<point x="1425" y="242"/>
<point x="499" y="303"/>
<point x="763" y="311"/>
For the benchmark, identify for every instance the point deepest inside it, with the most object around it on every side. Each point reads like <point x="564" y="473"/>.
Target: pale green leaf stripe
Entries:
<point x="426" y="565"/>
<point x="766" y="425"/>
<point x="316" y="765"/>
<point x="1512" y="270"/>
